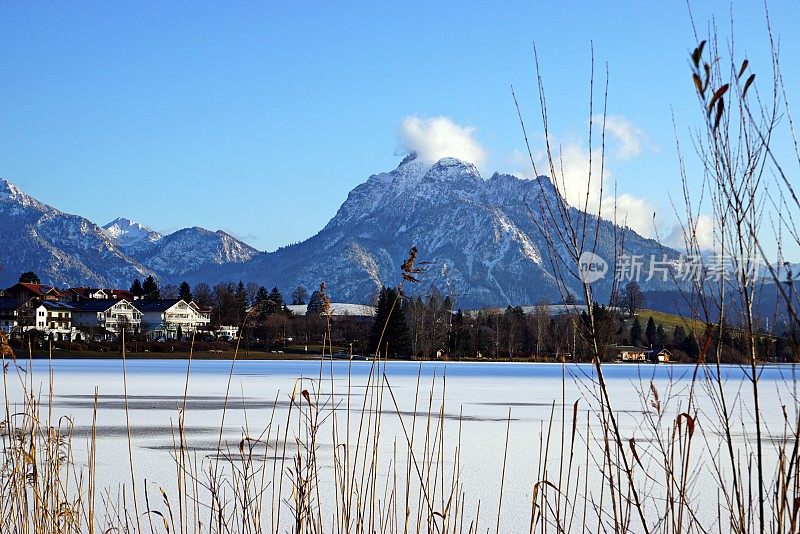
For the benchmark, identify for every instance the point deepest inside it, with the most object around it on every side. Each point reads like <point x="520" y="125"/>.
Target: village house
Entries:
<point x="662" y="356"/>
<point x="16" y="315"/>
<point x="227" y="332"/>
<point x="82" y="294"/>
<point x="171" y="318"/>
<point x="628" y="353"/>
<point x="204" y="311"/>
<point x="106" y="318"/>
<point x="41" y="292"/>
<point x="54" y="319"/>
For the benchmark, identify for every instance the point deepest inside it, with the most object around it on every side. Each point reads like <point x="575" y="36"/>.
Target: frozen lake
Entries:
<point x="475" y="400"/>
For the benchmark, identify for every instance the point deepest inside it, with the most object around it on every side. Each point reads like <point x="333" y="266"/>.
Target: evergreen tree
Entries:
<point x="315" y="304"/>
<point x="185" y="292"/>
<point x="661" y="336"/>
<point x="262" y="303"/>
<point x="690" y="346"/>
<point x="678" y="336"/>
<point x="150" y="289"/>
<point x="391" y="322"/>
<point x="299" y="295"/>
<point x="29" y="277"/>
<point x="240" y="297"/>
<point x="636" y="332"/>
<point x="277" y="300"/>
<point x="650" y="332"/>
<point x="136" y="288"/>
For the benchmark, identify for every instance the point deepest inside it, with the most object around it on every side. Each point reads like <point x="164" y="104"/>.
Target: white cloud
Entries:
<point x="434" y="138"/>
<point x="587" y="191"/>
<point x="703" y="231"/>
<point x="633" y="212"/>
<point x="629" y="139"/>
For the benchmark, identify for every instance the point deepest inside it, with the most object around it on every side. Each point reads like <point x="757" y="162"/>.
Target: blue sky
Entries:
<point x="258" y="118"/>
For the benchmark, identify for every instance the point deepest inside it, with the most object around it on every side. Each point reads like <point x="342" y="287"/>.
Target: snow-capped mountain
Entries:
<point x="483" y="240"/>
<point x="62" y="249"/>
<point x="480" y="237"/>
<point x="192" y="249"/>
<point x="131" y="236"/>
<point x="69" y="250"/>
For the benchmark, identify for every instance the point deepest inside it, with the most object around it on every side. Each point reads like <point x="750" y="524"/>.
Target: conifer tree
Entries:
<point x="636" y="332"/>
<point x="185" y="292"/>
<point x="136" y="288"/>
<point x="150" y="289"/>
<point x="391" y="322"/>
<point x="650" y="332"/>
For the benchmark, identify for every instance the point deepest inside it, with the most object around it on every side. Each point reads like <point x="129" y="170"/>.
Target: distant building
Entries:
<point x="54" y="319"/>
<point x="106" y="318"/>
<point x="204" y="311"/>
<point x="662" y="356"/>
<point x="338" y="309"/>
<point x="628" y="353"/>
<point x="16" y="314"/>
<point x="82" y="294"/>
<point x="41" y="292"/>
<point x="227" y="332"/>
<point x="171" y="318"/>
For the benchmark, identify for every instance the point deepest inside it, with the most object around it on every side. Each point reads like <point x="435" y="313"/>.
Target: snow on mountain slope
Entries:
<point x="479" y="235"/>
<point x="192" y="249"/>
<point x="131" y="236"/>
<point x="62" y="249"/>
<point x="69" y="250"/>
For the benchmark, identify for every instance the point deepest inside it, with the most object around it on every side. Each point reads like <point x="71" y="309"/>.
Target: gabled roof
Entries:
<point x="97" y="305"/>
<point x="200" y="308"/>
<point x="39" y="290"/>
<point x="84" y="291"/>
<point x="120" y="294"/>
<point x="161" y="305"/>
<point x="55" y="305"/>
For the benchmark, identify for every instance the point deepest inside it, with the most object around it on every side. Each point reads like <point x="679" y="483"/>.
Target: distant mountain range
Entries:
<point x="69" y="250"/>
<point x="480" y="238"/>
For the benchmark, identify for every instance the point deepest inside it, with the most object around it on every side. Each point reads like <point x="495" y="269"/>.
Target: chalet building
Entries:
<point x="83" y="294"/>
<point x="106" y="318"/>
<point x="16" y="315"/>
<point x="55" y="320"/>
<point x="171" y="318"/>
<point x="628" y="353"/>
<point x="662" y="356"/>
<point x="40" y="292"/>
<point x="204" y="311"/>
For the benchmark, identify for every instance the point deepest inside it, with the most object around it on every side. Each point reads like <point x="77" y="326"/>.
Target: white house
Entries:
<point x="106" y="316"/>
<point x="227" y="332"/>
<point x="54" y="319"/>
<point x="171" y="318"/>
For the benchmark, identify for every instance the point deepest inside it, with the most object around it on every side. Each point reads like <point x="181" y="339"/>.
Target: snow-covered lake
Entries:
<point x="478" y="398"/>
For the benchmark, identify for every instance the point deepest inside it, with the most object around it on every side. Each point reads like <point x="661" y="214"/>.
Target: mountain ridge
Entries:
<point x="70" y="250"/>
<point x="477" y="234"/>
<point x="480" y="236"/>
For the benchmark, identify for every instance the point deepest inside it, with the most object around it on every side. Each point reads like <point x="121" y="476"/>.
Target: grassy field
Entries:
<point x="670" y="321"/>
